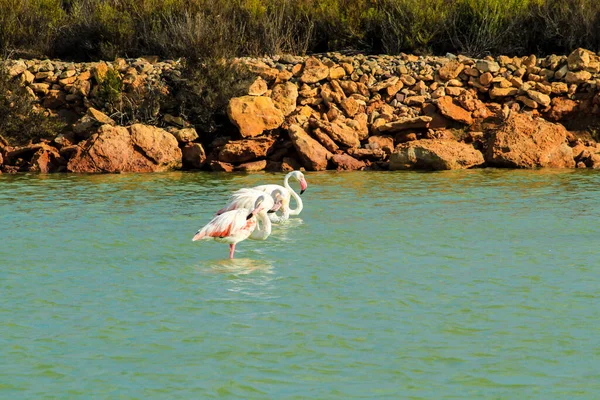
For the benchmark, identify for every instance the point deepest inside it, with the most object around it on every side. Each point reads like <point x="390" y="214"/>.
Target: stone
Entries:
<point x="26" y="78"/>
<point x="253" y="166"/>
<point x="40" y="88"/>
<point x="578" y="77"/>
<point x="91" y="121"/>
<point x="451" y="70"/>
<point x="258" y="87"/>
<point x="384" y="84"/>
<point x="527" y="101"/>
<point x="487" y="66"/>
<point x="346" y="162"/>
<point x="435" y="154"/>
<point x="186" y="135"/>
<point x="498" y="92"/>
<point x="99" y="71"/>
<point x="452" y="111"/>
<point x="337" y="72"/>
<point x="578" y="59"/>
<point x="526" y="142"/>
<point x="139" y="148"/>
<point x="325" y="140"/>
<point x="486" y="78"/>
<point x="313" y="156"/>
<point x="284" y="97"/>
<point x="173" y="120"/>
<point x="241" y="151"/>
<point x="350" y="106"/>
<point x="539" y="98"/>
<point x="405" y="123"/>
<point x="218" y="166"/>
<point x="314" y="71"/>
<point x="254" y="114"/>
<point x="47" y="159"/>
<point x="54" y="99"/>
<point x="562" y="108"/>
<point x="372" y="154"/>
<point x="339" y="131"/>
<point x="415" y="101"/>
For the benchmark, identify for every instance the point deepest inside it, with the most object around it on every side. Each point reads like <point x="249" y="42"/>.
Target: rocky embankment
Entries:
<point x="331" y="111"/>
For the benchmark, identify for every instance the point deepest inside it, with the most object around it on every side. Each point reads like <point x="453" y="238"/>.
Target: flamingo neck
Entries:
<point x="299" y="205"/>
<point x="263" y="227"/>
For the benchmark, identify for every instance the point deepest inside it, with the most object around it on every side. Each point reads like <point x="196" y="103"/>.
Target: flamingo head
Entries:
<point x="300" y="178"/>
<point x="262" y="203"/>
<point x="278" y="200"/>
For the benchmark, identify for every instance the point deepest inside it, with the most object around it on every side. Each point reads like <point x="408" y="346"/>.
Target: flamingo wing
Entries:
<point x="226" y="224"/>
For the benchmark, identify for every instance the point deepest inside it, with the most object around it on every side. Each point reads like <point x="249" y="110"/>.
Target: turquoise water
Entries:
<point x="470" y="284"/>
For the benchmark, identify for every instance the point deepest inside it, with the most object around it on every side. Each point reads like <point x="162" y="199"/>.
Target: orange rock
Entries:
<point x="240" y="151"/>
<point x="313" y="155"/>
<point x="434" y="154"/>
<point x="450" y="110"/>
<point x="254" y="114"/>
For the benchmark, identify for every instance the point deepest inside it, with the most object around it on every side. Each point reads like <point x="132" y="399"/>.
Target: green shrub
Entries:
<point x="20" y="122"/>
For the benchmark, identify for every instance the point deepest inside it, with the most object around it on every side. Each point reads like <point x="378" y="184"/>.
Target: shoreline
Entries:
<point x="331" y="111"/>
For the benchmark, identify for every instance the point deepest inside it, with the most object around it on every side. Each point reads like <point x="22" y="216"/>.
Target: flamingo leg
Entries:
<point x="231" y="250"/>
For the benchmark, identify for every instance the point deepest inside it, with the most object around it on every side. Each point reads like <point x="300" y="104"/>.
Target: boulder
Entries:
<point x="314" y="71"/>
<point x="91" y="121"/>
<point x="526" y="142"/>
<point x="258" y="87"/>
<point x="435" y="154"/>
<point x="139" y="148"/>
<point x="346" y="162"/>
<point x="194" y="156"/>
<point x="284" y="97"/>
<point x="339" y="131"/>
<point x="385" y="143"/>
<point x="450" y="110"/>
<point x="218" y="166"/>
<point x="185" y="135"/>
<point x="253" y="166"/>
<point x="578" y="59"/>
<point x="405" y="123"/>
<point x="578" y="77"/>
<point x="45" y="160"/>
<point x="451" y="70"/>
<point x="254" y="114"/>
<point x="562" y="108"/>
<point x="313" y="155"/>
<point x="240" y="151"/>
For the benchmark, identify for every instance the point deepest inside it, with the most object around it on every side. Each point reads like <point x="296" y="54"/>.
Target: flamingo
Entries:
<point x="288" y="193"/>
<point x="236" y="225"/>
<point x="245" y="198"/>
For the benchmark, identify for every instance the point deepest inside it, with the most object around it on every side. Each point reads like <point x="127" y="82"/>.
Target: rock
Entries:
<point x="26" y="78"/>
<point x="339" y="131"/>
<point x="218" y="166"/>
<point x="55" y="99"/>
<point x="45" y="160"/>
<point x="254" y="114"/>
<point x="498" y="92"/>
<point x="284" y="97"/>
<point x="486" y="78"/>
<point x="139" y="148"/>
<point x="350" y="106"/>
<point x="562" y="108"/>
<point x="91" y="121"/>
<point x="405" y="123"/>
<point x="540" y="98"/>
<point x="313" y="155"/>
<point x="526" y="142"/>
<point x="435" y="154"/>
<point x="186" y="135"/>
<point x="253" y="166"/>
<point x="384" y="84"/>
<point x="337" y="72"/>
<point x="579" y="59"/>
<point x="578" y="77"/>
<point x="100" y="71"/>
<point x="40" y="88"/>
<point x="450" y="110"/>
<point x="194" y="156"/>
<point x="240" y="151"/>
<point x="175" y="121"/>
<point x="314" y="71"/>
<point x="487" y="66"/>
<point x="527" y="101"/>
<point x="451" y="70"/>
<point x="404" y="137"/>
<point x="367" y="154"/>
<point x="258" y="87"/>
<point x="346" y="162"/>
<point x="325" y="140"/>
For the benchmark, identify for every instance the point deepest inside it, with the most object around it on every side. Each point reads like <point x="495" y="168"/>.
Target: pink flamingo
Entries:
<point x="236" y="225"/>
<point x="287" y="193"/>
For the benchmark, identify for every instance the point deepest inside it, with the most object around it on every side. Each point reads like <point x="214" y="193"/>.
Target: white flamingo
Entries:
<point x="245" y="198"/>
<point x="236" y="225"/>
<point x="287" y="194"/>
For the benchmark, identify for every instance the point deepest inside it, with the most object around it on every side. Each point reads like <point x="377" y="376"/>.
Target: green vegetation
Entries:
<point x="20" y="122"/>
<point x="104" y="29"/>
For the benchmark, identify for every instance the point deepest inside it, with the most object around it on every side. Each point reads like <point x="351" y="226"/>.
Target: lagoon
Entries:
<point x="450" y="285"/>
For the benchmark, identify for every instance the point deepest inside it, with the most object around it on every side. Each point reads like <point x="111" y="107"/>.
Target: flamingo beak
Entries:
<point x="303" y="185"/>
<point x="197" y="236"/>
<point x="276" y="207"/>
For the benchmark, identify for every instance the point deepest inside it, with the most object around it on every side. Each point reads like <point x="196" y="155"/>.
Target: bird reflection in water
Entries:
<point x="239" y="266"/>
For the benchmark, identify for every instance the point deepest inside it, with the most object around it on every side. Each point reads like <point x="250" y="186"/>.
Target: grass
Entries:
<point x="104" y="29"/>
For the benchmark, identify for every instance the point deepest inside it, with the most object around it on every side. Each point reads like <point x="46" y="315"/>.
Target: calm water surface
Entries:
<point x="471" y="284"/>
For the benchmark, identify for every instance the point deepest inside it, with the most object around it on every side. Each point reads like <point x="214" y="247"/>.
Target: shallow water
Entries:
<point x="469" y="284"/>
